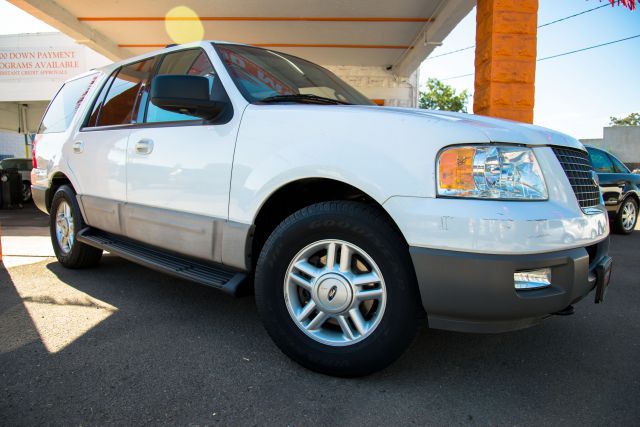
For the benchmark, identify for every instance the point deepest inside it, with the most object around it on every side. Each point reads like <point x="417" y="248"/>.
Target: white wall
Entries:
<point x="32" y="69"/>
<point x="34" y="66"/>
<point x="378" y="83"/>
<point x="622" y="141"/>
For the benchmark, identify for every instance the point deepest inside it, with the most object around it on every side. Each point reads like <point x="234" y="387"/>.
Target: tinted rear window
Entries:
<point x="121" y="100"/>
<point x="65" y="104"/>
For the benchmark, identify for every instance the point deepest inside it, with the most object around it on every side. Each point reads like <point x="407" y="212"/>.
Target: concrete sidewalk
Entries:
<point x="25" y="236"/>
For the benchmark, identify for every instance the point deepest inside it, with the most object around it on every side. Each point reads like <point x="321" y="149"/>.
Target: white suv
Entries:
<point x="233" y="166"/>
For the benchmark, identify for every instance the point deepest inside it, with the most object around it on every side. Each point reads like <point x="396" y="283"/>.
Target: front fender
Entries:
<point x="381" y="154"/>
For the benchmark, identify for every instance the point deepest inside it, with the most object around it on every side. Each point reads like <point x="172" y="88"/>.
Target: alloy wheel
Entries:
<point x="629" y="215"/>
<point x="335" y="292"/>
<point x="65" y="233"/>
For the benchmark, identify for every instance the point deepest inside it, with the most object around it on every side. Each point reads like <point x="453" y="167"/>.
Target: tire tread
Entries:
<point x="81" y="254"/>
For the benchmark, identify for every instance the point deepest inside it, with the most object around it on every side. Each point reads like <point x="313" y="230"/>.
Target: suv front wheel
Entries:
<point x="336" y="291"/>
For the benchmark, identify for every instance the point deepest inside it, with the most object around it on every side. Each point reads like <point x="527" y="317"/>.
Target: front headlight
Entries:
<point x="490" y="172"/>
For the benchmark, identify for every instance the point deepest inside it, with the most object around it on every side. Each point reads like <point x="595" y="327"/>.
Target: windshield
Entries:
<point x="266" y="76"/>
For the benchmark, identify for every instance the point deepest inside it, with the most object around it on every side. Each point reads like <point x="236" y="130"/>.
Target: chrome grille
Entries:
<point x="577" y="166"/>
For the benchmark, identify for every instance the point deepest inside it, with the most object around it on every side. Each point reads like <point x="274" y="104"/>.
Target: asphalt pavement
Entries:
<point x="121" y="344"/>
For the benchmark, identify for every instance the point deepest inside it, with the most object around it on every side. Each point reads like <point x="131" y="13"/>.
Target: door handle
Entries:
<point x="78" y="146"/>
<point x="144" y="146"/>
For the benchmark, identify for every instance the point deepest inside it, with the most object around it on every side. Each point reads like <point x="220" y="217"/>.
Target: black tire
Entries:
<point x="618" y="222"/>
<point x="367" y="228"/>
<point x="26" y="191"/>
<point x="79" y="255"/>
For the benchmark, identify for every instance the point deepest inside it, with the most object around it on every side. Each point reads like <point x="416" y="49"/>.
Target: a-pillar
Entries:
<point x="506" y="58"/>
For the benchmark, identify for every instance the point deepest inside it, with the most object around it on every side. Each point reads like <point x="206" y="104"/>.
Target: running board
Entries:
<point x="209" y="274"/>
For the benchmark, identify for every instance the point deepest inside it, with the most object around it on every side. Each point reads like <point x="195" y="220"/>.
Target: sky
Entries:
<point x="16" y="21"/>
<point x="575" y="94"/>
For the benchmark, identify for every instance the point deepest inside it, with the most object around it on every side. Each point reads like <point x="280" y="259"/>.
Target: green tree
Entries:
<point x="632" y="119"/>
<point x="441" y="96"/>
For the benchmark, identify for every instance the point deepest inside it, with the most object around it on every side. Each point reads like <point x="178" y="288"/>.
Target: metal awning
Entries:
<point x="399" y="34"/>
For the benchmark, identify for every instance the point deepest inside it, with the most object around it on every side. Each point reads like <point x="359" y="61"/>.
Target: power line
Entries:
<point x="450" y="53"/>
<point x="574" y="15"/>
<point x="457" y="77"/>
<point x="588" y="48"/>
<point x="560" y="54"/>
<point x="539" y="26"/>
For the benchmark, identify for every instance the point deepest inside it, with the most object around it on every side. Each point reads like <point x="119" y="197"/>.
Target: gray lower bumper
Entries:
<point x="471" y="292"/>
<point x="40" y="195"/>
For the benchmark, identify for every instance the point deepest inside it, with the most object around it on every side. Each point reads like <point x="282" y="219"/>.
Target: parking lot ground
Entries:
<point x="122" y="344"/>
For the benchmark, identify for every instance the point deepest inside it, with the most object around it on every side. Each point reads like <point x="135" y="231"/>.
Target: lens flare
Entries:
<point x="183" y="25"/>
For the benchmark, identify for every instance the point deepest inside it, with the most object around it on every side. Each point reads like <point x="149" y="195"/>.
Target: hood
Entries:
<point x="496" y="130"/>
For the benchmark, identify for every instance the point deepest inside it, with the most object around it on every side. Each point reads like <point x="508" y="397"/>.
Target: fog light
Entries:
<point x="532" y="279"/>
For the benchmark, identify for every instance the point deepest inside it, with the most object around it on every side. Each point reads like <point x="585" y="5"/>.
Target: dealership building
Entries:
<point x="32" y="69"/>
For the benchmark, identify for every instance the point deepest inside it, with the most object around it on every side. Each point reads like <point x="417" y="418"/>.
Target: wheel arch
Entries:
<point x="295" y="195"/>
<point x="57" y="180"/>
<point x="633" y="195"/>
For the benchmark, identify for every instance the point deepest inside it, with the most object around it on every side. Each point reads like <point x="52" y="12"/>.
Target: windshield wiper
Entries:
<point x="315" y="99"/>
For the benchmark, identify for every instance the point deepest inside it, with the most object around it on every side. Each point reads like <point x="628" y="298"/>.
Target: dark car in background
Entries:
<point x="620" y="190"/>
<point x="23" y="166"/>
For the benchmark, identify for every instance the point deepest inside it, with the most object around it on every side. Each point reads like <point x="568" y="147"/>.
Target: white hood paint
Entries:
<point x="496" y="130"/>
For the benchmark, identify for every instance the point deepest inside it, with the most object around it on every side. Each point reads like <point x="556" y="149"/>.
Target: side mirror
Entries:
<point x="186" y="95"/>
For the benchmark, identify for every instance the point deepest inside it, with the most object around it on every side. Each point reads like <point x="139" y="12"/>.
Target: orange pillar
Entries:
<point x="505" y="60"/>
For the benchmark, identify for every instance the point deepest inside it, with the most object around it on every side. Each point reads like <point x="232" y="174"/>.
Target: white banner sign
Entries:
<point x="42" y="62"/>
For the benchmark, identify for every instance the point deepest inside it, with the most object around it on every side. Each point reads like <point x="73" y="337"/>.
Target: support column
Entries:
<point x="505" y="62"/>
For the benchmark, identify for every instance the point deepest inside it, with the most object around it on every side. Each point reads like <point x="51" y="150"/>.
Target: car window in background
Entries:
<point x="65" y="104"/>
<point x="13" y="163"/>
<point x="193" y="62"/>
<point x="121" y="100"/>
<point x="601" y="162"/>
<point x="618" y="165"/>
<point x="262" y="73"/>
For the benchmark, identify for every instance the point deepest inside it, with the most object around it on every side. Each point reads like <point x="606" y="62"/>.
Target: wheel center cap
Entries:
<point x="332" y="293"/>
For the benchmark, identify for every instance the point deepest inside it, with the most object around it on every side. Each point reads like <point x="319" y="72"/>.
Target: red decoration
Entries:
<point x="630" y="4"/>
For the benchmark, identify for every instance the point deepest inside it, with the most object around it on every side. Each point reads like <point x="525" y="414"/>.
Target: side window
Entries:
<point x="95" y="111"/>
<point x="121" y="100"/>
<point x="192" y="62"/>
<point x="601" y="161"/>
<point x="65" y="104"/>
<point x="618" y="165"/>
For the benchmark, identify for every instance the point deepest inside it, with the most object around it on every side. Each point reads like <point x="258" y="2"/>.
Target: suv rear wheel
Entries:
<point x="336" y="291"/>
<point x="65" y="220"/>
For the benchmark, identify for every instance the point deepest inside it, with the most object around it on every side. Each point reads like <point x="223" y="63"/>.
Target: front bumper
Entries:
<point x="471" y="292"/>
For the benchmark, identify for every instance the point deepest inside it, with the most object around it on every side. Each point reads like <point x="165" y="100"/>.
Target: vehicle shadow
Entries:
<point x="16" y="327"/>
<point x="174" y="351"/>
